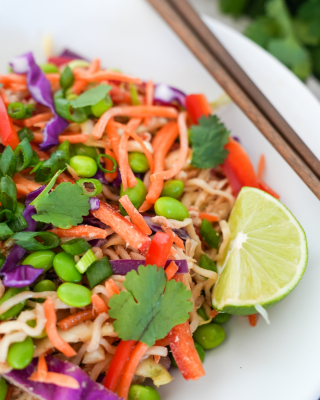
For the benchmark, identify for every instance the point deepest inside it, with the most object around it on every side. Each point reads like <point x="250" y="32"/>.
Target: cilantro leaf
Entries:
<point x="309" y="15"/>
<point x="151" y="307"/>
<point x="262" y="30"/>
<point x="91" y="96"/>
<point x="64" y="207"/>
<point x="208" y="141"/>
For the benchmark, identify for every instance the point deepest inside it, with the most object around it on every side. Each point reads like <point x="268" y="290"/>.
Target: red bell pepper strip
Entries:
<point x="119" y="360"/>
<point x="238" y="168"/>
<point x="159" y="249"/>
<point x="197" y="106"/>
<point x="8" y="134"/>
<point x="129" y="232"/>
<point x="263" y="186"/>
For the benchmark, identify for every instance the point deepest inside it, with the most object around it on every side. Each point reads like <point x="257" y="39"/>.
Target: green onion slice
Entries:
<point x="66" y="78"/>
<point x="16" y="110"/>
<point x="45" y="170"/>
<point x="98" y="272"/>
<point x="210" y="235"/>
<point x="97" y="186"/>
<point x="18" y="224"/>
<point x="5" y="231"/>
<point x="8" y="162"/>
<point x="134" y="95"/>
<point x="114" y="163"/>
<point x="27" y="240"/>
<point x="86" y="260"/>
<point x="24" y="154"/>
<point x="76" y="246"/>
<point x="25" y="133"/>
<point x="8" y="193"/>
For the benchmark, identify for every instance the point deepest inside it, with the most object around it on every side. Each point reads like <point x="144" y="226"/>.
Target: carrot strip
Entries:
<point x="175" y="238"/>
<point x="213" y="313"/>
<point x="164" y="140"/>
<point x="149" y="99"/>
<point x="52" y="331"/>
<point x="37" y="137"/>
<point x="145" y="206"/>
<point x="114" y="137"/>
<point x="56" y="379"/>
<point x="128" y="231"/>
<point x="12" y="78"/>
<point x="76" y="319"/>
<point x="74" y="138"/>
<point x="111" y="288"/>
<point x="44" y="117"/>
<point x="100" y="76"/>
<point x="253" y="320"/>
<point x="42" y="365"/>
<point x="21" y="190"/>
<point x="42" y="154"/>
<point x="184" y="147"/>
<point x="263" y="186"/>
<point x="156" y="359"/>
<point x="130" y="368"/>
<point x="30" y="185"/>
<point x="80" y="84"/>
<point x="16" y="87"/>
<point x="261" y="167"/>
<point x="209" y="217"/>
<point x="99" y="305"/>
<point x="132" y="111"/>
<point x="135" y="216"/>
<point x="63" y="177"/>
<point x="81" y="231"/>
<point x="124" y="161"/>
<point x="109" y="176"/>
<point x="162" y="342"/>
<point x="171" y="270"/>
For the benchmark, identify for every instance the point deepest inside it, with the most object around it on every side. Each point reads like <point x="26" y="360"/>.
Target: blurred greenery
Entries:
<point x="288" y="29"/>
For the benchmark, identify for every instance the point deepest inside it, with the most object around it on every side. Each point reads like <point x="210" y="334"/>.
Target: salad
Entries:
<point x="132" y="226"/>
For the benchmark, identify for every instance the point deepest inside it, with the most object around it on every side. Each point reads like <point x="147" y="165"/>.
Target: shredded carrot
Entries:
<point x="56" y="379"/>
<point x="184" y="147"/>
<point x="162" y="342"/>
<point x="175" y="238"/>
<point x="74" y="138"/>
<point x="99" y="76"/>
<point x="30" y="185"/>
<point x="134" y="215"/>
<point x="12" y="78"/>
<point x="129" y="370"/>
<point x="156" y="359"/>
<point x="99" y="305"/>
<point x="209" y="217"/>
<point x="81" y="231"/>
<point x="80" y="84"/>
<point x="171" y="270"/>
<point x="253" y="319"/>
<point x="132" y="111"/>
<point x="76" y="319"/>
<point x="213" y="313"/>
<point x="108" y="163"/>
<point x="21" y="190"/>
<point x="52" y="331"/>
<point x="261" y="167"/>
<point x="16" y="87"/>
<point x="263" y="186"/>
<point x="111" y="288"/>
<point x="149" y="99"/>
<point x="44" y="117"/>
<point x="63" y="177"/>
<point x="145" y="206"/>
<point x="42" y="365"/>
<point x="42" y="154"/>
<point x="114" y="138"/>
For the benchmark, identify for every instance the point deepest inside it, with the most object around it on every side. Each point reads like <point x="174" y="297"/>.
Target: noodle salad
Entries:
<point x="119" y="256"/>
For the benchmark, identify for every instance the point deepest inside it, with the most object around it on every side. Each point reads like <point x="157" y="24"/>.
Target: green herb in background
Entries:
<point x="288" y="29"/>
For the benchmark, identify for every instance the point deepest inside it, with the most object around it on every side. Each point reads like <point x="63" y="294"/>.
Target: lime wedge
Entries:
<point x="266" y="256"/>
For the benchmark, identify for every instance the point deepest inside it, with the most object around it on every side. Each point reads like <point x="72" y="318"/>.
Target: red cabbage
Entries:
<point x="182" y="233"/>
<point x="33" y="195"/>
<point x="72" y="55"/>
<point x="89" y="390"/>
<point x="117" y="181"/>
<point x="22" y="275"/>
<point x="97" y="242"/>
<point x="94" y="203"/>
<point x="40" y="89"/>
<point x="91" y="220"/>
<point x="99" y="175"/>
<point x="165" y="95"/>
<point x="122" y="267"/>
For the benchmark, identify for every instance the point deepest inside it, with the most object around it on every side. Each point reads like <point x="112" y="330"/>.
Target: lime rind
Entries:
<point x="266" y="257"/>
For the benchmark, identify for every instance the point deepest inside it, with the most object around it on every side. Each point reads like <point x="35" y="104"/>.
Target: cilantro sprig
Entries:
<point x="208" y="140"/>
<point x="151" y="307"/>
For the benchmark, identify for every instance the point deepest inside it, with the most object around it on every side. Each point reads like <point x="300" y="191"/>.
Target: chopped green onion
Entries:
<point x="66" y="78"/>
<point x="85" y="262"/>
<point x="16" y="110"/>
<point x="78" y="64"/>
<point x="49" y="68"/>
<point x="5" y="231"/>
<point x="8" y="162"/>
<point x="27" y="240"/>
<point x="210" y="235"/>
<point x="114" y="163"/>
<point x="207" y="263"/>
<point x="98" y="272"/>
<point x="6" y="213"/>
<point x="34" y="160"/>
<point x="25" y="133"/>
<point x="97" y="186"/>
<point x="2" y="260"/>
<point x="29" y="110"/>
<point x="134" y="95"/>
<point x="65" y="146"/>
<point x="102" y="106"/>
<point x="76" y="246"/>
<point x="8" y="193"/>
<point x="24" y="154"/>
<point x="45" y="170"/>
<point x="18" y="224"/>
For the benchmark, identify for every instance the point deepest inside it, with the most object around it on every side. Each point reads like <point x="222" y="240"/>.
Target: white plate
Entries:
<point x="277" y="362"/>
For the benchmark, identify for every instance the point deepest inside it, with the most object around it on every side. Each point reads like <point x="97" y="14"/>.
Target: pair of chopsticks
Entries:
<point x="184" y="20"/>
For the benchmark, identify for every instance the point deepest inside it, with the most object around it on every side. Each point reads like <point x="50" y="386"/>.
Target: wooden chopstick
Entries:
<point x="236" y="93"/>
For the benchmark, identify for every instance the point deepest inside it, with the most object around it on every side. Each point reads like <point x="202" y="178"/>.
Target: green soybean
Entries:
<point x="20" y="354"/>
<point x="221" y="318"/>
<point x="84" y="166"/>
<point x="200" y="350"/>
<point x="202" y="314"/>
<point x="49" y="68"/>
<point x="44" y="286"/>
<point x="171" y="208"/>
<point x="136" y="194"/>
<point x="139" y="392"/>
<point x="81" y="149"/>
<point x="65" y="267"/>
<point x="3" y="389"/>
<point x="40" y="259"/>
<point x="15" y="310"/>
<point x="138" y="162"/>
<point x="43" y="334"/>
<point x="209" y="336"/>
<point x="172" y="188"/>
<point x="74" y="295"/>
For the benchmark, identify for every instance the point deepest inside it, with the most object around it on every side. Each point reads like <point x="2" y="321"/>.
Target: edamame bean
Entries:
<point x="209" y="336"/>
<point x="49" y="68"/>
<point x="81" y="149"/>
<point x="45" y="286"/>
<point x="84" y="166"/>
<point x="172" y="188"/>
<point x="200" y="350"/>
<point x="202" y="313"/>
<point x="74" y="295"/>
<point x="138" y="162"/>
<point x="221" y="318"/>
<point x="40" y="259"/>
<point x="139" y="392"/>
<point x="32" y="323"/>
<point x="15" y="310"/>
<point x="136" y="194"/>
<point x="65" y="267"/>
<point x="171" y="208"/>
<point x="3" y="389"/>
<point x="20" y="354"/>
